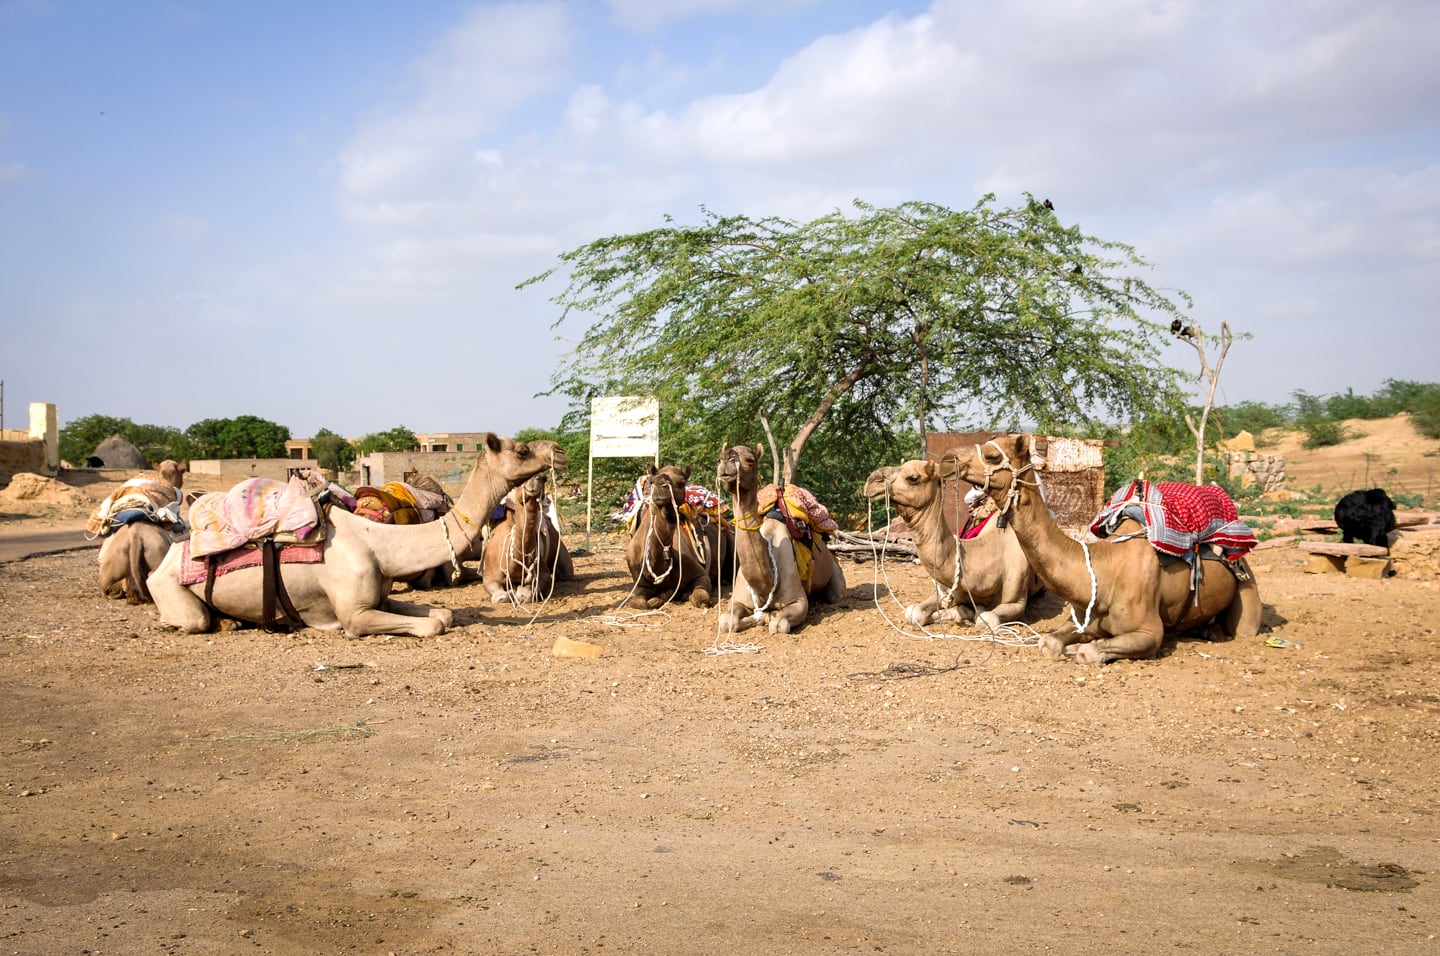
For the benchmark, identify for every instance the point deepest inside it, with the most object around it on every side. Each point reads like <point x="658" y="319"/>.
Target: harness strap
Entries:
<point x="273" y="588"/>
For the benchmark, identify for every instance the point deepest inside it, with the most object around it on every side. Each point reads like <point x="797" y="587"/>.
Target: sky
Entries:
<point x="319" y="213"/>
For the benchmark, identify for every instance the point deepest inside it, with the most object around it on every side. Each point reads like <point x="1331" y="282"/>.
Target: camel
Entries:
<point x="1130" y="596"/>
<point x="671" y="556"/>
<point x="988" y="570"/>
<point x="770" y="587"/>
<point x="128" y="555"/>
<point x="138" y="521"/>
<point x="350" y="587"/>
<point x="524" y="555"/>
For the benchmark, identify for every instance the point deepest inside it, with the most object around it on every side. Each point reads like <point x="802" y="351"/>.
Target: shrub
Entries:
<point x="1322" y="432"/>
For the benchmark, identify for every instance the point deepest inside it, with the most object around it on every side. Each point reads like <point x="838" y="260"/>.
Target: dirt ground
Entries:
<point x="853" y="788"/>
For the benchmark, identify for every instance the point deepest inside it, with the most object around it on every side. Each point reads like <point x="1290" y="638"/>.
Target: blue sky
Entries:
<point x="318" y="212"/>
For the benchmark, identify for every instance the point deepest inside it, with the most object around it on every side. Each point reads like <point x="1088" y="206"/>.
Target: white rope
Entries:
<point x="1094" y="589"/>
<point x="1008" y="635"/>
<point x="721" y="644"/>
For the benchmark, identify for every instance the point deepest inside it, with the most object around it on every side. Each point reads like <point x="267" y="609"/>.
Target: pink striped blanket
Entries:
<point x="193" y="570"/>
<point x="253" y="509"/>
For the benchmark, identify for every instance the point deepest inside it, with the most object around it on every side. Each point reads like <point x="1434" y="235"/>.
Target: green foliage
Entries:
<point x="1322" y="432"/>
<point x="244" y="437"/>
<point x="909" y="314"/>
<point x="1424" y="408"/>
<point x="1158" y="446"/>
<point x="398" y="438"/>
<point x="156" y="442"/>
<point x="1350" y="405"/>
<point x="1252" y="417"/>
<point x="332" y="451"/>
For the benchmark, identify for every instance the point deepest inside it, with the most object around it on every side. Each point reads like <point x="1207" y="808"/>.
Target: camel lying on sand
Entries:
<point x="350" y="587"/>
<point x="128" y="555"/>
<point x="669" y="555"/>
<point x="988" y="571"/>
<point x="524" y="555"/>
<point x="138" y="521"/>
<point x="770" y="587"/>
<point x="1129" y="596"/>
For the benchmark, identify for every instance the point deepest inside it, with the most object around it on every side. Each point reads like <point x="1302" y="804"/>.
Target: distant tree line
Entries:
<point x="245" y="436"/>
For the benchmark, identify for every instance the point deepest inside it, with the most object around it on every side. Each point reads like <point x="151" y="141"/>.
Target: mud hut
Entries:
<point x="116" y="452"/>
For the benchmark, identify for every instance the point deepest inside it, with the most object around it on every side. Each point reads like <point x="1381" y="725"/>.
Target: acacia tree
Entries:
<point x="914" y="313"/>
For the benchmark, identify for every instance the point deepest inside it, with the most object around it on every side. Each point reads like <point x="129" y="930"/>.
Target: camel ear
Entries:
<point x="945" y="469"/>
<point x="651" y="471"/>
<point x="685" y="473"/>
<point x="493" y="442"/>
<point x="759" y="449"/>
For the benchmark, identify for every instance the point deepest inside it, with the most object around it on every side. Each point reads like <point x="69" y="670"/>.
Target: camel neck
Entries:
<point x="751" y="548"/>
<point x="934" y="541"/>
<point x="1057" y="558"/>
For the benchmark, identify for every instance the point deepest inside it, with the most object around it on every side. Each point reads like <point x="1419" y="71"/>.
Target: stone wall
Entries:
<point x="1251" y="468"/>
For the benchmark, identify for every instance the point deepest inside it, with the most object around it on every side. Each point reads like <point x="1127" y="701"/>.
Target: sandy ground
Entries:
<point x="853" y="788"/>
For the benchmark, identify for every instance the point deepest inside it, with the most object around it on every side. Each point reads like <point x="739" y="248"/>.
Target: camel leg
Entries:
<point x="1135" y="645"/>
<point x="739" y="617"/>
<point x="923" y="612"/>
<point x="1056" y="643"/>
<point x="1242" y="617"/>
<point x="179" y="607"/>
<point x="835" y="587"/>
<point x="789" y="617"/>
<point x="700" y="592"/>
<point x="396" y="617"/>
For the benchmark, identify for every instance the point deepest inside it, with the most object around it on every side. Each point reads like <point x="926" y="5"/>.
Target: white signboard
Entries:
<point x="624" y="427"/>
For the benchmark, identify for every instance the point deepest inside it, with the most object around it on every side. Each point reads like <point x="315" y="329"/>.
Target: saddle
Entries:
<point x="1182" y="522"/>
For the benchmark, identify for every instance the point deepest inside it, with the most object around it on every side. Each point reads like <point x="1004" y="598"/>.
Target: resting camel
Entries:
<point x="989" y="570"/>
<point x="137" y="520"/>
<point x="770" y="587"/>
<point x="1129" y="596"/>
<point x="524" y="555"/>
<point x="669" y="555"/>
<point x="350" y="587"/>
<point x="128" y="555"/>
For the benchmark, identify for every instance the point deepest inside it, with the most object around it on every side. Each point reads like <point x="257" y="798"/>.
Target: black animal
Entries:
<point x="1366" y="516"/>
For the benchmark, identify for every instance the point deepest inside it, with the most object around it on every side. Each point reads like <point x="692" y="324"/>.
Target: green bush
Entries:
<point x="1424" y="408"/>
<point x="1322" y="432"/>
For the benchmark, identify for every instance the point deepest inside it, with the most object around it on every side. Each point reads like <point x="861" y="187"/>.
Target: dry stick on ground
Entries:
<point x="1196" y="337"/>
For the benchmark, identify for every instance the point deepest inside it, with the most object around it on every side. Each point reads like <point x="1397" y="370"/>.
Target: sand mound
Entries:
<point x="37" y="490"/>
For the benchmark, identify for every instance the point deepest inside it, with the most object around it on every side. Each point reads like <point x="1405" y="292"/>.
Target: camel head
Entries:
<point x="520" y="460"/>
<point x="533" y="489"/>
<point x="998" y="465"/>
<point x="913" y="484"/>
<point x="740" y="467"/>
<point x="173" y="472"/>
<point x="665" y="487"/>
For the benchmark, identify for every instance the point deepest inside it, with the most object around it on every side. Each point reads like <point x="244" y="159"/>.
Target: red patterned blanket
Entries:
<point x="1179" y="517"/>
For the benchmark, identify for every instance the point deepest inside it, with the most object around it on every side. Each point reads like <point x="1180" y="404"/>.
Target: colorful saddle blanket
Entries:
<point x="194" y="570"/>
<point x="799" y="502"/>
<point x="255" y="508"/>
<point x="136" y="500"/>
<point x="1179" y="518"/>
<point x="395" y="502"/>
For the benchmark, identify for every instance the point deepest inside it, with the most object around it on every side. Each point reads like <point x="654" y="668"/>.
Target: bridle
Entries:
<point x="1012" y="495"/>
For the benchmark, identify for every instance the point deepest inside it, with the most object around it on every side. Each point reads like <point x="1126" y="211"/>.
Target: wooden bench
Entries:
<point x="1356" y="560"/>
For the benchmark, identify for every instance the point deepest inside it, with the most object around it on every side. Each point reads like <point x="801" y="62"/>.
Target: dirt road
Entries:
<point x="848" y="789"/>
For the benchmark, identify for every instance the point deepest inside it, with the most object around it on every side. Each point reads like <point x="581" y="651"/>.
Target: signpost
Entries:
<point x="620" y="427"/>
